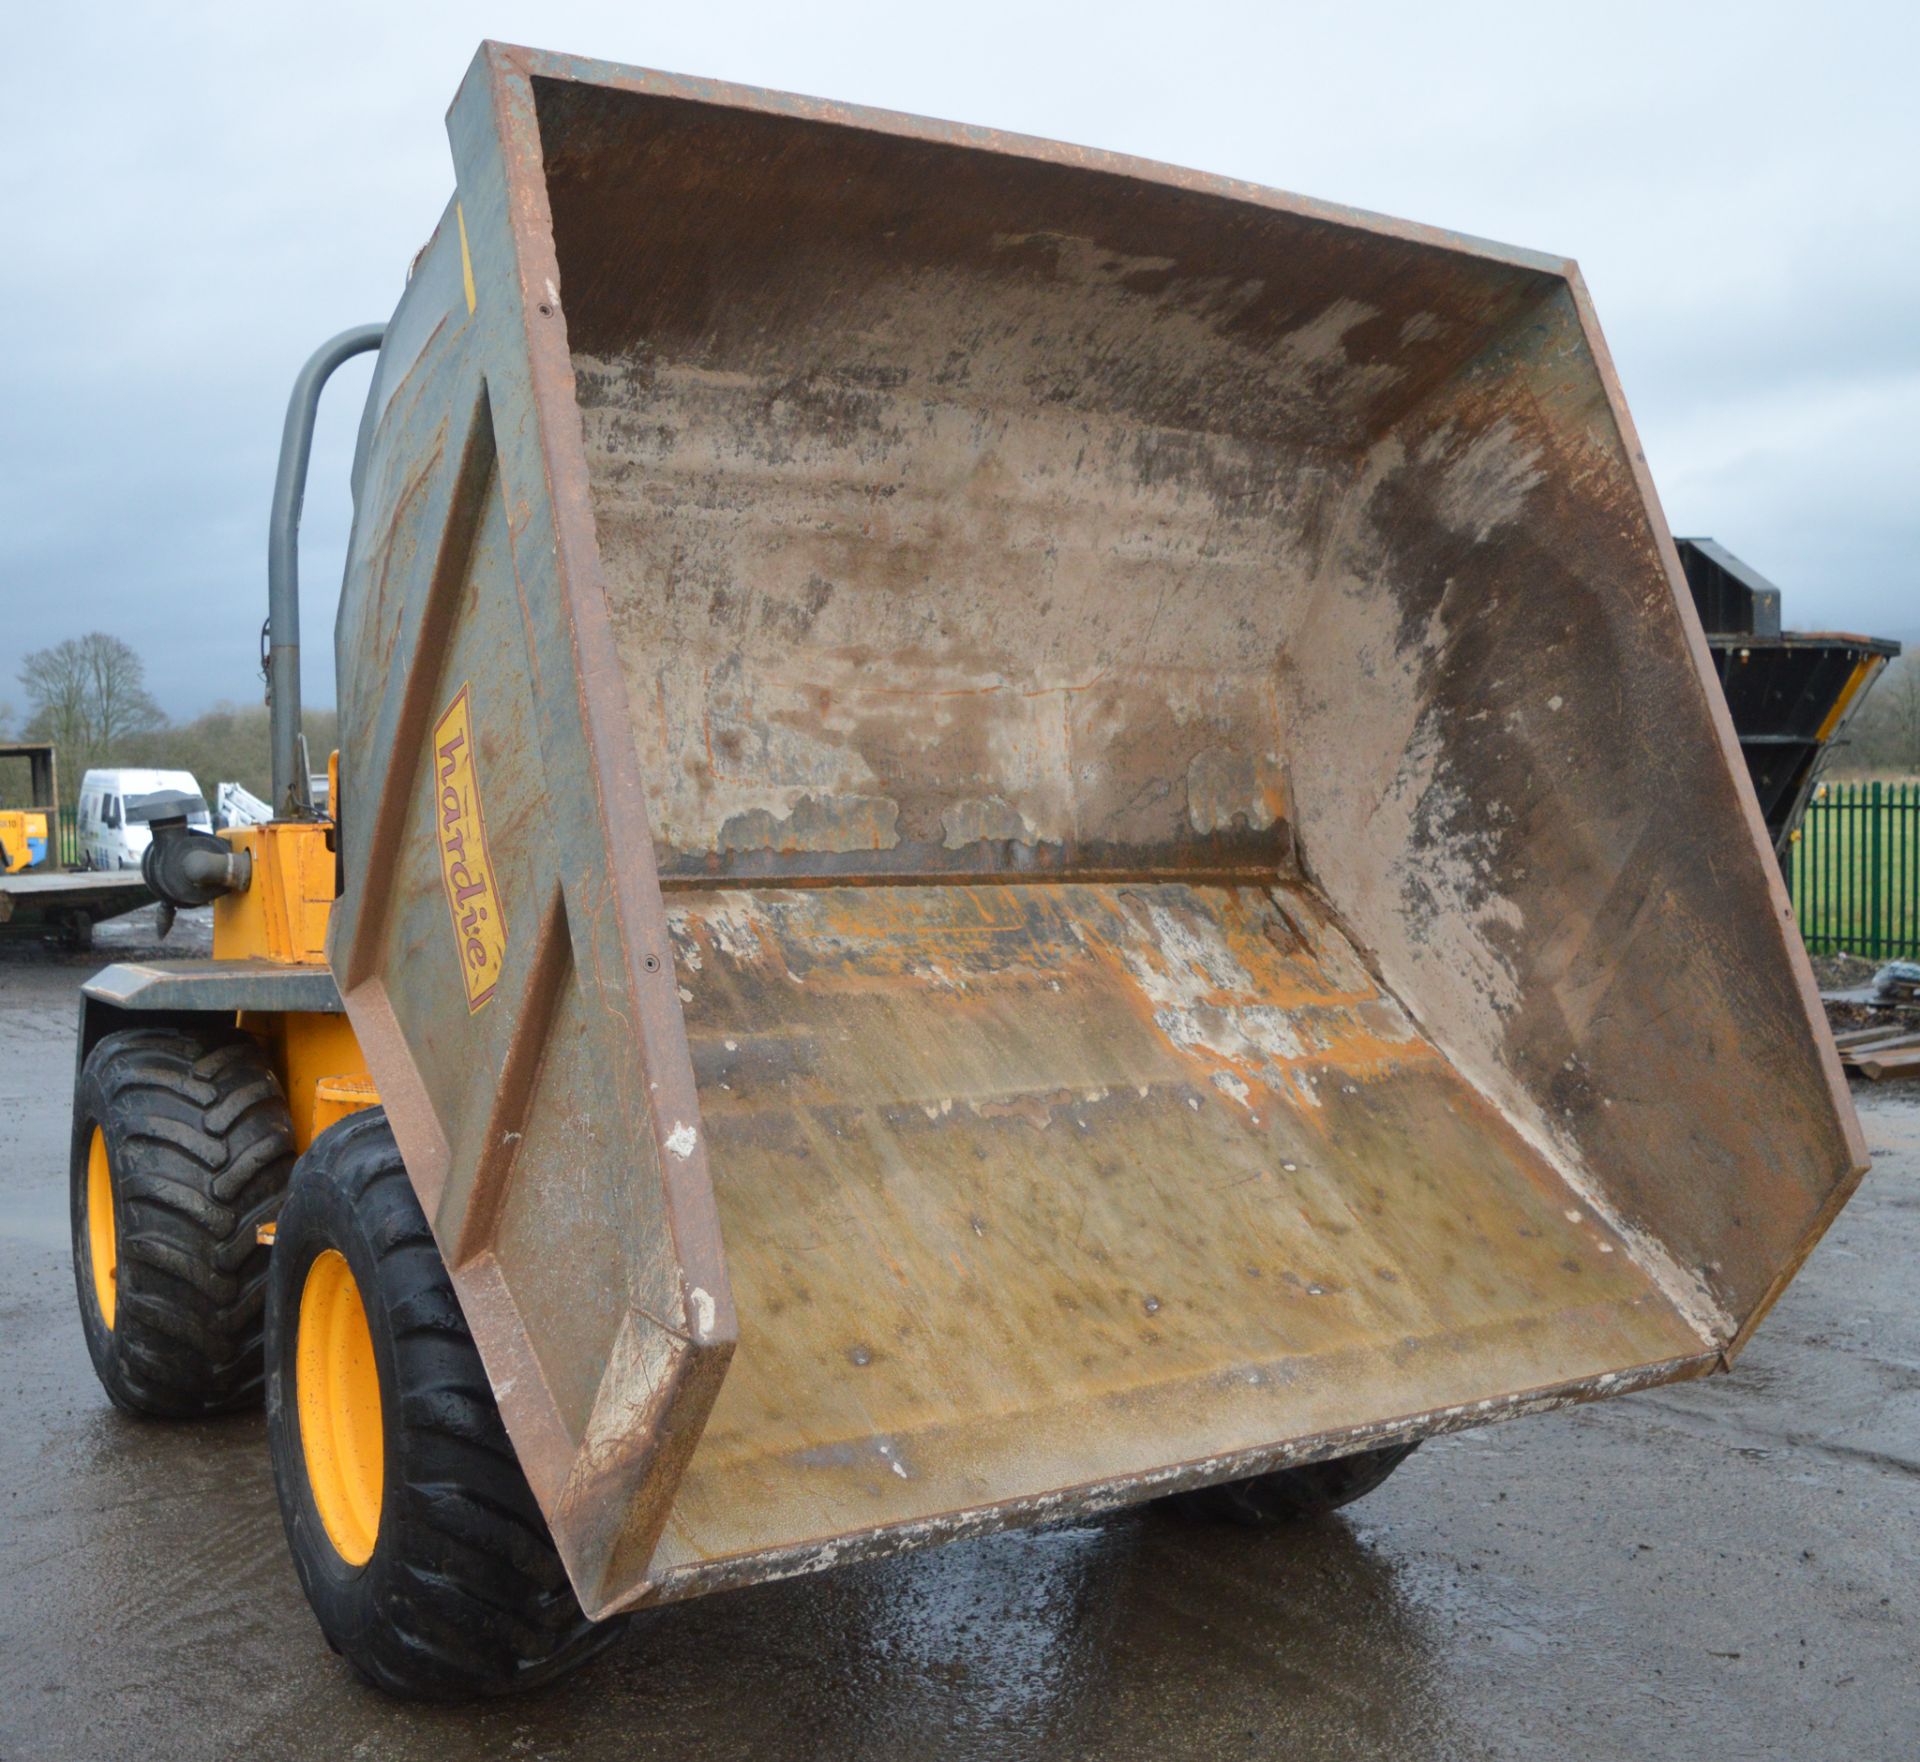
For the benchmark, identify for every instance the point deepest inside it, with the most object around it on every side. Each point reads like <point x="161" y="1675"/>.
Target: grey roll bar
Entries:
<point x="292" y="794"/>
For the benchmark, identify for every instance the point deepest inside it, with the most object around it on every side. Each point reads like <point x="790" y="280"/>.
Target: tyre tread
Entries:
<point x="202" y="1147"/>
<point x="466" y="1594"/>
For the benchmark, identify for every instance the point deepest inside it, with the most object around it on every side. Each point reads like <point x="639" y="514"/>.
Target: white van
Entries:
<point x="117" y="806"/>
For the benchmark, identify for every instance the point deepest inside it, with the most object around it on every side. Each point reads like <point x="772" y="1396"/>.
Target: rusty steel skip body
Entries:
<point x="1021" y="829"/>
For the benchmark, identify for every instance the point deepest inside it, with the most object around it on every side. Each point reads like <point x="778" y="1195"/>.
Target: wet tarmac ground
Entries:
<point x="1721" y="1569"/>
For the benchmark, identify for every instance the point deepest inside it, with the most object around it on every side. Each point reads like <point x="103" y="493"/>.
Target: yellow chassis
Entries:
<point x="281" y="918"/>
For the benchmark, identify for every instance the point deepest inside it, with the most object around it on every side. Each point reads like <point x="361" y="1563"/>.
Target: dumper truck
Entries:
<point x="1014" y="832"/>
<point x="1793" y="694"/>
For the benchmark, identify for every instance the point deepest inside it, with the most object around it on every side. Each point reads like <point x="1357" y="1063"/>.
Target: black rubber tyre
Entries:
<point x="199" y="1148"/>
<point x="463" y="1593"/>
<point x="1289" y="1494"/>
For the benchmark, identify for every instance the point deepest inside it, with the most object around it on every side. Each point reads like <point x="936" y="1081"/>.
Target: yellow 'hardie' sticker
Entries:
<point x="479" y="923"/>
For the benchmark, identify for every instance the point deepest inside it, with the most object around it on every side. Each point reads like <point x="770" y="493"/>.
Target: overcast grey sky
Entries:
<point x="193" y="196"/>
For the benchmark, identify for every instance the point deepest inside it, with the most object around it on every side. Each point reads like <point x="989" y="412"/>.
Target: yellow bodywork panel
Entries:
<point x="282" y="913"/>
<point x="336" y="1097"/>
<point x="320" y="1067"/>
<point x="281" y="916"/>
<point x="17" y="826"/>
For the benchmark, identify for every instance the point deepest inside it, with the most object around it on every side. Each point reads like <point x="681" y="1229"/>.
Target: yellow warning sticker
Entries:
<point x="479" y="923"/>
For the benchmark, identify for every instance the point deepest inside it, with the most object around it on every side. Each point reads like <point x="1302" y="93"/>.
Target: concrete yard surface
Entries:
<point x="1726" y="1569"/>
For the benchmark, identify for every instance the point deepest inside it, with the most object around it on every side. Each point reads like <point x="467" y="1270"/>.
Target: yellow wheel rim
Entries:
<point x="338" y="1389"/>
<point x="102" y="1244"/>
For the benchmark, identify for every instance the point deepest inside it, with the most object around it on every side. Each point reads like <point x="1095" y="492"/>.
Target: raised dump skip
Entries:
<point x="1116" y="852"/>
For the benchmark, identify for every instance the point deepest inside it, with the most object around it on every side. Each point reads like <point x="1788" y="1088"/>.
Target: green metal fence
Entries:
<point x="1854" y="870"/>
<point x="67" y="840"/>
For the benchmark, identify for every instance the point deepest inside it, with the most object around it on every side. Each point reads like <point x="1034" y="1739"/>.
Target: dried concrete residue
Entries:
<point x="1036" y="1109"/>
<point x="1485" y="483"/>
<point x="816" y="823"/>
<point x="1252" y="1033"/>
<point x="1444" y="872"/>
<point x="949" y="589"/>
<point x="1078" y="259"/>
<point x="1196" y="963"/>
<point x="638" y="1373"/>
<point x="1196" y="318"/>
<point x="681" y="1140"/>
<point x="1412" y="860"/>
<point x="1184" y="972"/>
<point x="1464" y="867"/>
<point x="750" y="727"/>
<point x="1225" y="788"/>
<point x="1437" y="942"/>
<point x="1321" y="341"/>
<point x="1418" y="878"/>
<point x="988" y="819"/>
<point x="1228" y="1084"/>
<point x="1316" y="352"/>
<point x="734" y="922"/>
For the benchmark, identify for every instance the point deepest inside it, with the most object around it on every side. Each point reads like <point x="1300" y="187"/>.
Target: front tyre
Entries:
<point x="181" y="1149"/>
<point x="416" y="1537"/>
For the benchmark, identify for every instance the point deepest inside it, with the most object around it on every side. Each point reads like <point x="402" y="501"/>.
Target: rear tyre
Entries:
<point x="414" y="1532"/>
<point x="1289" y="1494"/>
<point x="181" y="1149"/>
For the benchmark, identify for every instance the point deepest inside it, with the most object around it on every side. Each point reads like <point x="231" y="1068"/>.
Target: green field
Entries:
<point x="1854" y="872"/>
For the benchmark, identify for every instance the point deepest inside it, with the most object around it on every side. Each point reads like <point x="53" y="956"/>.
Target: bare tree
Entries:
<point x="1903" y="712"/>
<point x="117" y="690"/>
<point x="1885" y="735"/>
<point x="86" y="695"/>
<point x="55" y="683"/>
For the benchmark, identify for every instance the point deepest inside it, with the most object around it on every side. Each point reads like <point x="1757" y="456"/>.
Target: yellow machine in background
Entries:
<point x="26" y="827"/>
<point x="23" y="839"/>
